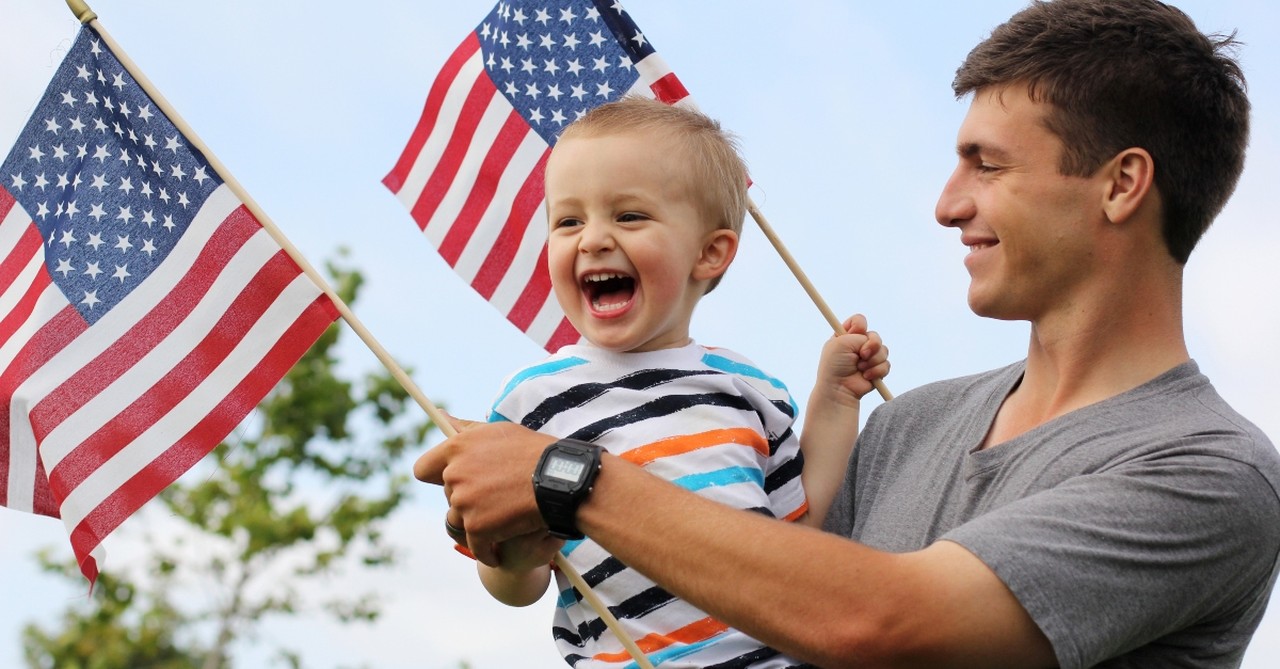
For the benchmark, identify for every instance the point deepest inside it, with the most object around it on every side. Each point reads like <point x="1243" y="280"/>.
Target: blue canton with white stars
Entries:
<point x="555" y="60"/>
<point x="110" y="182"/>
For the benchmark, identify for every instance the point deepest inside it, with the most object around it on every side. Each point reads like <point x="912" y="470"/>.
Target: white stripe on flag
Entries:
<point x="495" y="216"/>
<point x="160" y="436"/>
<point x="482" y="142"/>
<point x="523" y="265"/>
<point x="446" y="122"/>
<point x="22" y="441"/>
<point x="548" y="319"/>
<point x="14" y="226"/>
<point x="158" y="362"/>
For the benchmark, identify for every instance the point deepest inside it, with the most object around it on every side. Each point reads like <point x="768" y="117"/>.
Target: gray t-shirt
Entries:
<point x="1140" y="531"/>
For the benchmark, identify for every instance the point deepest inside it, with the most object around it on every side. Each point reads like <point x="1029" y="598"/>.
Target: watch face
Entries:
<point x="565" y="469"/>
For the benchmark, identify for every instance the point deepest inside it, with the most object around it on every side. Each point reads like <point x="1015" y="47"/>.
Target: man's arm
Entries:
<point x="816" y="596"/>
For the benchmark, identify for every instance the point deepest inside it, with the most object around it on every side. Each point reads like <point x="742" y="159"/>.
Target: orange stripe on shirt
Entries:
<point x="686" y="443"/>
<point x="795" y="515"/>
<point x="699" y="630"/>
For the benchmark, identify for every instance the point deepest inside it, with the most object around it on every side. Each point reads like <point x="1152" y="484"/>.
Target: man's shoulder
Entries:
<point x="961" y="389"/>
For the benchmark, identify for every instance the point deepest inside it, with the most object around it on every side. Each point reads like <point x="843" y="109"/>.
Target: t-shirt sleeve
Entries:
<point x="776" y="412"/>
<point x="1107" y="562"/>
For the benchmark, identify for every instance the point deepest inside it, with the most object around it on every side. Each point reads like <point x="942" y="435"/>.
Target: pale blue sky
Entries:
<point x="846" y="119"/>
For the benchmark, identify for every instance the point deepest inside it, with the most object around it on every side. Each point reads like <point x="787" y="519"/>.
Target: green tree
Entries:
<point x="123" y="628"/>
<point x="303" y="497"/>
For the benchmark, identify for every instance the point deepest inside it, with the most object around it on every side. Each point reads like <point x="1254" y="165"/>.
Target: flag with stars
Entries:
<point x="143" y="310"/>
<point x="471" y="173"/>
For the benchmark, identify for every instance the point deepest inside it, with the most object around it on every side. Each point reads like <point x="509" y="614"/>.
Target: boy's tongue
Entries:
<point x="611" y="295"/>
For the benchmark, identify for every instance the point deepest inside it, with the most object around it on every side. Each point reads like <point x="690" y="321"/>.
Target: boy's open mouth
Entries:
<point x="608" y="291"/>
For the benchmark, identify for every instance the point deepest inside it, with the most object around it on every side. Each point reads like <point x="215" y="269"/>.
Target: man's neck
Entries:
<point x="1091" y="354"/>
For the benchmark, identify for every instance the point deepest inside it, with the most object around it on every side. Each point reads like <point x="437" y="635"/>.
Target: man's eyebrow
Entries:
<point x="974" y="149"/>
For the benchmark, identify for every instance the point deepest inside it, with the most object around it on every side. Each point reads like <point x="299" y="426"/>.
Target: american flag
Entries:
<point x="471" y="174"/>
<point x="143" y="310"/>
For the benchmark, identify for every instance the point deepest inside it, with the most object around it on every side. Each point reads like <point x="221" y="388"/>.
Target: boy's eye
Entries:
<point x="566" y="223"/>
<point x="631" y="216"/>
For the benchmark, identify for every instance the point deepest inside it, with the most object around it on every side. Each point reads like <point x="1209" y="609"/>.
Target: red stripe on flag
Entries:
<point x="47" y="341"/>
<point x="455" y="151"/>
<point x="6" y="202"/>
<point x="148" y="331"/>
<point x="122" y="429"/>
<point x="565" y="334"/>
<point x="669" y="89"/>
<point x="534" y="294"/>
<point x="21" y="310"/>
<point x="42" y="500"/>
<point x="499" y="259"/>
<point x="201" y="439"/>
<point x="430" y="112"/>
<point x="513" y="132"/>
<point x="19" y="256"/>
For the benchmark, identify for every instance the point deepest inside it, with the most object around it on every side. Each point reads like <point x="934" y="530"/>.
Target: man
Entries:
<point x="1096" y="503"/>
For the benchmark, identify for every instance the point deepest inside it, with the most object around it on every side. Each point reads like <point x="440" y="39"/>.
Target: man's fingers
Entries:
<point x="460" y="424"/>
<point x="429" y="467"/>
<point x="486" y="553"/>
<point x="453" y="527"/>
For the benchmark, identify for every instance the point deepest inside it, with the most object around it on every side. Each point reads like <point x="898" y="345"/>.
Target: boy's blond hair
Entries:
<point x="712" y="152"/>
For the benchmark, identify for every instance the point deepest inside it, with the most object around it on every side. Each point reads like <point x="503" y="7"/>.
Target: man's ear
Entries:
<point x="1131" y="184"/>
<point x="718" y="250"/>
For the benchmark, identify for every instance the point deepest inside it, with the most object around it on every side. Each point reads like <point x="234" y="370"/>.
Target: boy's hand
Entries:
<point x="852" y="361"/>
<point x="528" y="551"/>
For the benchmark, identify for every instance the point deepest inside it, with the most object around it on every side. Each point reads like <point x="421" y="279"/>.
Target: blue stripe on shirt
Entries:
<point x="734" y="367"/>
<point x="720" y="477"/>
<point x="544" y="369"/>
<point x="676" y="652"/>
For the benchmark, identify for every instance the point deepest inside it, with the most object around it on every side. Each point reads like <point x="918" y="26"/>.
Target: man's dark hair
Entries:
<point x="1129" y="73"/>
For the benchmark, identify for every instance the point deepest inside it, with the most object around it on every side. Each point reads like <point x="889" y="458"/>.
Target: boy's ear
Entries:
<point x="718" y="249"/>
<point x="1132" y="178"/>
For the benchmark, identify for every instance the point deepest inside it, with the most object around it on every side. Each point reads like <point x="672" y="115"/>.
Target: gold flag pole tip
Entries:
<point x="81" y="10"/>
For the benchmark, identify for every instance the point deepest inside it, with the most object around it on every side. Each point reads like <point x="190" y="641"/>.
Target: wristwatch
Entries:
<point x="563" y="478"/>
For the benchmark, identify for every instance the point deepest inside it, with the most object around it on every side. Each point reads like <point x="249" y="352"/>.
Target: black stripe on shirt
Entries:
<point x="662" y="406"/>
<point x="585" y="392"/>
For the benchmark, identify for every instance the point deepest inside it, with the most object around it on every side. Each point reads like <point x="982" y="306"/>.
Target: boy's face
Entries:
<point x="628" y="249"/>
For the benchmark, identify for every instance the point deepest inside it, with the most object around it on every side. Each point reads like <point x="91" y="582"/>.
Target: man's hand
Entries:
<point x="487" y="472"/>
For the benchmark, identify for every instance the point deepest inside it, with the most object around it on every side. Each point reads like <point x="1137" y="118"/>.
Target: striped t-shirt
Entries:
<point x="705" y="419"/>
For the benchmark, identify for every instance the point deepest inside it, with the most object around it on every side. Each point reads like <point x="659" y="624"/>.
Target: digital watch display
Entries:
<point x="563" y="478"/>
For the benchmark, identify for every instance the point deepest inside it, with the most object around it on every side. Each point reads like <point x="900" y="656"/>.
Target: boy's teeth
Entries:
<point x="607" y="307"/>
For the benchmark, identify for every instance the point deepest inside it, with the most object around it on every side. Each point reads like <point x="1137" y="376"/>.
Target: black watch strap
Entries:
<point x="563" y="478"/>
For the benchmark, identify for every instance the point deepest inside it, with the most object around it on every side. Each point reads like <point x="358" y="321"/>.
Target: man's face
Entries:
<point x="1029" y="229"/>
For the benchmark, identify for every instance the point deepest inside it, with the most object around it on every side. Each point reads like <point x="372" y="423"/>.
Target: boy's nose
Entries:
<point x="595" y="238"/>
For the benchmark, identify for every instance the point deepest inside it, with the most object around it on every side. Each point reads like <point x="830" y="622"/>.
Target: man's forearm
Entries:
<point x="815" y="596"/>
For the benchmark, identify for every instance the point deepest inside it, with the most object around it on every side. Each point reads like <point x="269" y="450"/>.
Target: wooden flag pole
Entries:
<point x="806" y="284"/>
<point x="88" y="17"/>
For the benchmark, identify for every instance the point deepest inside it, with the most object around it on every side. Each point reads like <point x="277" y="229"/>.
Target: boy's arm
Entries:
<point x="849" y="364"/>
